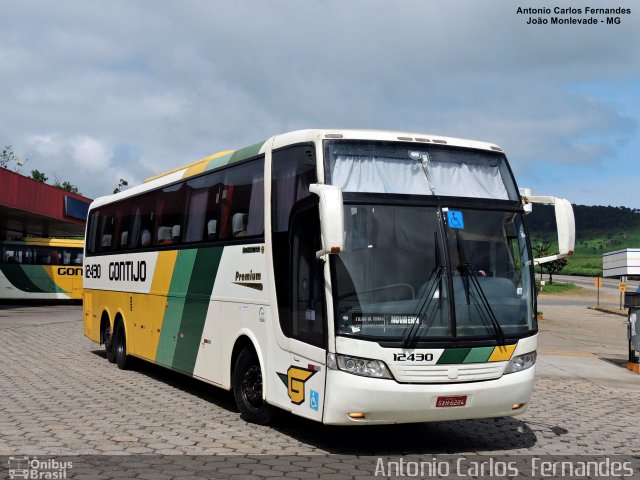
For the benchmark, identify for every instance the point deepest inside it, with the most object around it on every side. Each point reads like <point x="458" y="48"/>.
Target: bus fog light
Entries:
<point x="359" y="366"/>
<point x="521" y="363"/>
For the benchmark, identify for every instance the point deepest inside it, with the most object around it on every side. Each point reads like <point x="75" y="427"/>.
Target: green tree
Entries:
<point x="39" y="176"/>
<point x="67" y="187"/>
<point x="556" y="266"/>
<point x="541" y="249"/>
<point x="64" y="185"/>
<point x="7" y="156"/>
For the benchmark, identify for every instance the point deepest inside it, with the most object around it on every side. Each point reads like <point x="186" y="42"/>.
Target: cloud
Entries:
<point x="117" y="87"/>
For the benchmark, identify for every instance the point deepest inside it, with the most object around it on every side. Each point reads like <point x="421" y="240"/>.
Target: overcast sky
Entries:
<point x="95" y="91"/>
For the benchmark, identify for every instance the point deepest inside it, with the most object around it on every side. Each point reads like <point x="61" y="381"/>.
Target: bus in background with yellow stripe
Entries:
<point x="346" y="276"/>
<point x="41" y="269"/>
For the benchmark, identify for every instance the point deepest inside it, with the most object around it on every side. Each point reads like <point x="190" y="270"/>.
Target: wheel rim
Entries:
<point x="252" y="387"/>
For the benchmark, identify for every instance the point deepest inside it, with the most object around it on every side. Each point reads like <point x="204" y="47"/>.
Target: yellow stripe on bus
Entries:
<point x="67" y="278"/>
<point x="156" y="303"/>
<point x="200" y="166"/>
<point x="164" y="269"/>
<point x="502" y="353"/>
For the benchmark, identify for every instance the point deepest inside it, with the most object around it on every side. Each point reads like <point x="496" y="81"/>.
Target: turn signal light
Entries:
<point x="356" y="415"/>
<point x="517" y="406"/>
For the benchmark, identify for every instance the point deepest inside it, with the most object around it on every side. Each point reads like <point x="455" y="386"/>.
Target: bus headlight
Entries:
<point x="359" y="366"/>
<point x="521" y="362"/>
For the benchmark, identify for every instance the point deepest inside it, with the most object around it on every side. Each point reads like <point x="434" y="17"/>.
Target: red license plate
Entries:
<point x="459" y="401"/>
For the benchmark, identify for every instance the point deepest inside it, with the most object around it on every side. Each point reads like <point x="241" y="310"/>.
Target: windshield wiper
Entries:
<point x="472" y="278"/>
<point x="423" y="306"/>
<point x="426" y="298"/>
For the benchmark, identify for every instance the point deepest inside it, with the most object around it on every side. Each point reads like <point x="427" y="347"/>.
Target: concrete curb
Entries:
<point x="615" y="311"/>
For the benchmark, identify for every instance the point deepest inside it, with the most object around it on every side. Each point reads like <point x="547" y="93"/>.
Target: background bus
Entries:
<point x="41" y="269"/>
<point x="374" y="277"/>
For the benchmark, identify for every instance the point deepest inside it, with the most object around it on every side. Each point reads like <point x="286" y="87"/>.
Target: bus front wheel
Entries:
<point x="120" y="347"/>
<point x="247" y="389"/>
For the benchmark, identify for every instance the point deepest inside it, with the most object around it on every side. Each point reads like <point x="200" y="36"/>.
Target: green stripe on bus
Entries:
<point x="233" y="157"/>
<point x="453" y="355"/>
<point x="195" y="310"/>
<point x="479" y="355"/>
<point x="176" y="302"/>
<point x="19" y="278"/>
<point x="218" y="162"/>
<point x="42" y="280"/>
<point x="246" y="152"/>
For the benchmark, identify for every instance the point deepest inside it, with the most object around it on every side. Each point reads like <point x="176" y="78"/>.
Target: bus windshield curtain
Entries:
<point x="379" y="175"/>
<point x="464" y="180"/>
<point x="390" y="175"/>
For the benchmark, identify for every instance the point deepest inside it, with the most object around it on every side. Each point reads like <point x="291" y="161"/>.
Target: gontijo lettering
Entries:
<point x="128" y="271"/>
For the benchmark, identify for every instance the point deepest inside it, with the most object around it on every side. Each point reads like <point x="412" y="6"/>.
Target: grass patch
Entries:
<point x="590" y="245"/>
<point x="559" y="288"/>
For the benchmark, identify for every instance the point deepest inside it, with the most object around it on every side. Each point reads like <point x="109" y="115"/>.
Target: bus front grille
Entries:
<point x="449" y="373"/>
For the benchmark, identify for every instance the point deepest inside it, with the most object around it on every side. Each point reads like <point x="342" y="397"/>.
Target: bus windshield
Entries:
<point x="397" y="277"/>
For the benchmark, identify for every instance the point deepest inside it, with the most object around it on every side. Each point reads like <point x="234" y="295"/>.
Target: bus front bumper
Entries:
<point x="387" y="401"/>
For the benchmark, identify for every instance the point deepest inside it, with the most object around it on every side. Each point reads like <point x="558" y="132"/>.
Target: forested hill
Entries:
<point x="598" y="230"/>
<point x="590" y="220"/>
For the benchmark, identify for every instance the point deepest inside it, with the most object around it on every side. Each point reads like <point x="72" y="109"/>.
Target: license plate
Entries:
<point x="459" y="401"/>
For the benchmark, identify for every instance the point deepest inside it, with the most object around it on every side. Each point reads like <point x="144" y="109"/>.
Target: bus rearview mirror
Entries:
<point x="565" y="224"/>
<point x="331" y="218"/>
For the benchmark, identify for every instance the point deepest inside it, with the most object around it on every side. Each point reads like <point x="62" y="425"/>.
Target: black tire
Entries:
<point x="107" y="339"/>
<point x="247" y="389"/>
<point x="120" y="347"/>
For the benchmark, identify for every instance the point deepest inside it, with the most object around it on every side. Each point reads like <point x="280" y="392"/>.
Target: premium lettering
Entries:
<point x="248" y="277"/>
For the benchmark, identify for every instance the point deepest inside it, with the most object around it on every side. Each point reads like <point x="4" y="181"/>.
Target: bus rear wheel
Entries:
<point x="107" y="339"/>
<point x="120" y="347"/>
<point x="247" y="389"/>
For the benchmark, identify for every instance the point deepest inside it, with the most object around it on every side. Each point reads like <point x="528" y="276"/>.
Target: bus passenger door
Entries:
<point x="307" y="374"/>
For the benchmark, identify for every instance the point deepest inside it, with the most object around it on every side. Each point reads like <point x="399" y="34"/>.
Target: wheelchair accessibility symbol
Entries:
<point x="314" y="401"/>
<point x="455" y="219"/>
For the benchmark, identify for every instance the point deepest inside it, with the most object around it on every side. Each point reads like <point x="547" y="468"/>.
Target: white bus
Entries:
<point x="41" y="269"/>
<point x="374" y="277"/>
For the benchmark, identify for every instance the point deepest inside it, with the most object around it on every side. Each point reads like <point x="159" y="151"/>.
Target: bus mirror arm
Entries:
<point x="331" y="211"/>
<point x="565" y="224"/>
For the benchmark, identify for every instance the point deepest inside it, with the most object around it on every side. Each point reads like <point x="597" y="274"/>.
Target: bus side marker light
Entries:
<point x="517" y="406"/>
<point x="356" y="415"/>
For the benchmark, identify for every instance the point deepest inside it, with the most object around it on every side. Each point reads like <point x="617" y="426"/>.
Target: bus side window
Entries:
<point x="243" y="201"/>
<point x="169" y="208"/>
<point x="292" y="172"/>
<point x="106" y="230"/>
<point x="195" y="213"/>
<point x="308" y="324"/>
<point x="91" y="231"/>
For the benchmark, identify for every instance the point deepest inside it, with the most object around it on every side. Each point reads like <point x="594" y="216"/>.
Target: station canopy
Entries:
<point x="34" y="209"/>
